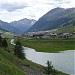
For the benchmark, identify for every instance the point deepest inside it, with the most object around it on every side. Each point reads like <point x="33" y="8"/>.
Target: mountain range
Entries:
<point x="23" y="24"/>
<point x="55" y="18"/>
<point x="7" y="27"/>
<point x="18" y="27"/>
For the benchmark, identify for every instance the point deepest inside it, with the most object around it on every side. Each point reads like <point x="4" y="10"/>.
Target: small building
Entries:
<point x="53" y="35"/>
<point x="64" y="35"/>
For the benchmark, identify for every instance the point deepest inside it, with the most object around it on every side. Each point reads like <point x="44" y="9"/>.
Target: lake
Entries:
<point x="63" y="61"/>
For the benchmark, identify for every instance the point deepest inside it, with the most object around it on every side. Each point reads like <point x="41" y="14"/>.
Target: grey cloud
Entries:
<point x="62" y="1"/>
<point x="50" y="3"/>
<point x="32" y="16"/>
<point x="13" y="7"/>
<point x="59" y="0"/>
<point x="59" y="3"/>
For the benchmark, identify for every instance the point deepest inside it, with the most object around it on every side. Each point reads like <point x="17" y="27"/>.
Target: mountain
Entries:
<point x="23" y="24"/>
<point x="67" y="29"/>
<point x="7" y="27"/>
<point x="55" y="18"/>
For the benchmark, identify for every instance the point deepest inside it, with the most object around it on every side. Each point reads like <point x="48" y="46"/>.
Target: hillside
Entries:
<point x="55" y="18"/>
<point x="23" y="24"/>
<point x="70" y="28"/>
<point x="2" y="30"/>
<point x="11" y="65"/>
<point x="8" y="64"/>
<point x="7" y="27"/>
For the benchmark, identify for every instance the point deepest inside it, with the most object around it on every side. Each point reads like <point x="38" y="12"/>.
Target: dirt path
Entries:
<point x="31" y="71"/>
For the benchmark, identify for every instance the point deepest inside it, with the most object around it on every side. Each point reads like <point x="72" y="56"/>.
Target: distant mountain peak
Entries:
<point x="59" y="8"/>
<point x="56" y="9"/>
<point x="6" y="26"/>
<point x="23" y="24"/>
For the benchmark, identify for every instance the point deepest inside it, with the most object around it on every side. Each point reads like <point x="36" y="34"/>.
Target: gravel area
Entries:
<point x="31" y="71"/>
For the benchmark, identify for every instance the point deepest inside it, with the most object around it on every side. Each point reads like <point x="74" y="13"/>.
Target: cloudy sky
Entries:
<point x="11" y="10"/>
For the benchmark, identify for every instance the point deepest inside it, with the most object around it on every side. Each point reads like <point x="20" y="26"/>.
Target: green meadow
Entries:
<point x="50" y="45"/>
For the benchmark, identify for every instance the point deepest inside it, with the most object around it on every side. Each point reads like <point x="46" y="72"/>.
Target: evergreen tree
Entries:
<point x="50" y="70"/>
<point x="0" y="41"/>
<point x="4" y="43"/>
<point x="18" y="50"/>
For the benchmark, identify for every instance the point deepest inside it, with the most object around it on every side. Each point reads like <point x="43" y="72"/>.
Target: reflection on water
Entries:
<point x="63" y="61"/>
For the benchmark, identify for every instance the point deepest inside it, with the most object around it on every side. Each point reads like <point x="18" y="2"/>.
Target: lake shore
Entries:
<point x="58" y="73"/>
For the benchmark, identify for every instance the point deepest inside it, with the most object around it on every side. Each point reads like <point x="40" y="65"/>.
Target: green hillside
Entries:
<point x="9" y="64"/>
<point x="70" y="28"/>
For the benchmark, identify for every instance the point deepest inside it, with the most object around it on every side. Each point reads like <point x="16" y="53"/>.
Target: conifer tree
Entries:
<point x="50" y="70"/>
<point x="18" y="50"/>
<point x="4" y="43"/>
<point x="0" y="41"/>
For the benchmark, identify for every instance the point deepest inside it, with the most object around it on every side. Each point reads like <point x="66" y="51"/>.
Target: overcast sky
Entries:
<point x="13" y="10"/>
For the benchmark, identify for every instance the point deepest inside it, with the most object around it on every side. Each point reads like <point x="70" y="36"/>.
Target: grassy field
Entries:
<point x="50" y="45"/>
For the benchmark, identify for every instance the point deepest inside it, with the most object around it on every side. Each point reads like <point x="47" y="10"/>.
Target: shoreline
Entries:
<point x="42" y="65"/>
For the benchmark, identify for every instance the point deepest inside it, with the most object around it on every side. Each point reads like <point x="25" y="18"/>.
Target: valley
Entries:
<point x="53" y="35"/>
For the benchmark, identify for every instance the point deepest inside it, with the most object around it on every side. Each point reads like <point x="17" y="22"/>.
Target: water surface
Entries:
<point x="63" y="61"/>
